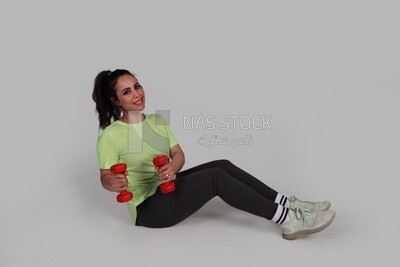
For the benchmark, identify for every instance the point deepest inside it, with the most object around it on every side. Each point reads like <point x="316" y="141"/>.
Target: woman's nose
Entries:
<point x="135" y="94"/>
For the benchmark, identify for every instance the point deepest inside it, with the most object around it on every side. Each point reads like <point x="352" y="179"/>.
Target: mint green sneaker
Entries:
<point x="304" y="222"/>
<point x="308" y="205"/>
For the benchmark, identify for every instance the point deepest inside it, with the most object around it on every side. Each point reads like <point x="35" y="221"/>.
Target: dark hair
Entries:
<point x="103" y="91"/>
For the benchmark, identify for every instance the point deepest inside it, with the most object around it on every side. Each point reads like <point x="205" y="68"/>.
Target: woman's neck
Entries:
<point x="132" y="117"/>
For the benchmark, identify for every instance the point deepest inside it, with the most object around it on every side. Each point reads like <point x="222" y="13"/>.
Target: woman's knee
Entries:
<point x="221" y="163"/>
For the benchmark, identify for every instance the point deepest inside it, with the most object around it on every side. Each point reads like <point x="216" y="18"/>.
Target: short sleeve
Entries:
<point x="171" y="136"/>
<point x="107" y="151"/>
<point x="172" y="139"/>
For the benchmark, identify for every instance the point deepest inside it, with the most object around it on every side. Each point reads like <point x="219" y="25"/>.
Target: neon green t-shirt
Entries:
<point x="136" y="144"/>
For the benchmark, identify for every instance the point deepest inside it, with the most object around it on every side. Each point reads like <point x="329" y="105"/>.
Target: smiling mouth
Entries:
<point x="138" y="102"/>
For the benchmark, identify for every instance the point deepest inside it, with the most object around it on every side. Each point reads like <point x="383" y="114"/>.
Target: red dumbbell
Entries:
<point x="159" y="161"/>
<point x="123" y="196"/>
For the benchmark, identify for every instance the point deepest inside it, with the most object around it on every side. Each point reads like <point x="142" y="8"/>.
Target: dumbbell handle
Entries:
<point x="123" y="196"/>
<point x="159" y="161"/>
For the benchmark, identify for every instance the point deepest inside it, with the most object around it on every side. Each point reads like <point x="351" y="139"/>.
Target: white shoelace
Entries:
<point x="303" y="215"/>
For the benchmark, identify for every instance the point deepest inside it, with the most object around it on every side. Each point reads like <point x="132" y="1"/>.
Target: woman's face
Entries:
<point x="130" y="94"/>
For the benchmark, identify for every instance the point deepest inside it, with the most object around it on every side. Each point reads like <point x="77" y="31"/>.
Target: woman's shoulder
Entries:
<point x="115" y="126"/>
<point x="156" y="118"/>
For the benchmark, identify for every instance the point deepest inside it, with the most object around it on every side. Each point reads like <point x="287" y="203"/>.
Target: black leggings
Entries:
<point x="197" y="185"/>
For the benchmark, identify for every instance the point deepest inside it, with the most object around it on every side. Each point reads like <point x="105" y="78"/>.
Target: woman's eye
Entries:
<point x="138" y="86"/>
<point x="126" y="92"/>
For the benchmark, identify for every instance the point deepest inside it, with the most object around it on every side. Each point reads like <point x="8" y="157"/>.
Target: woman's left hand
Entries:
<point x="166" y="172"/>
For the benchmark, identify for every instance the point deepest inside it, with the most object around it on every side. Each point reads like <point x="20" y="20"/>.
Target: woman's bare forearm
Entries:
<point x="177" y="158"/>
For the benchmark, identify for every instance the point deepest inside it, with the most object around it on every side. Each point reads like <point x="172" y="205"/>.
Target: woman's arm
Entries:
<point x="174" y="166"/>
<point x="177" y="158"/>
<point x="113" y="182"/>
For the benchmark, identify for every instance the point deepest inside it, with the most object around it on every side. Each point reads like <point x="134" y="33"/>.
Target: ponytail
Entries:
<point x="103" y="91"/>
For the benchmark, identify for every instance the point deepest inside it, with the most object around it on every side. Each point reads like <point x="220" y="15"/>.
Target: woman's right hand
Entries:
<point x="114" y="182"/>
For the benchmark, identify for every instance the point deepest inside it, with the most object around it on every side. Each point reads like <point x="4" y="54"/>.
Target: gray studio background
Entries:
<point x="327" y="74"/>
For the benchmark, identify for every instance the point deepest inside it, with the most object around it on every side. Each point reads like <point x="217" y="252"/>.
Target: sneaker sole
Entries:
<point x="299" y="234"/>
<point x="327" y="207"/>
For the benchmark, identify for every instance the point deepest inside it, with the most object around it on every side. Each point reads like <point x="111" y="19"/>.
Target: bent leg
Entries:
<point x="193" y="190"/>
<point x="236" y="173"/>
